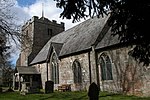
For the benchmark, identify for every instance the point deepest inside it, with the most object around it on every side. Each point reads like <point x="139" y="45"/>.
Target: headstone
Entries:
<point x="49" y="87"/>
<point x="93" y="92"/>
<point x="24" y="88"/>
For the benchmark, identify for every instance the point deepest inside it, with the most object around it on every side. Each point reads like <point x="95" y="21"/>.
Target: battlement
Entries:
<point x="43" y="20"/>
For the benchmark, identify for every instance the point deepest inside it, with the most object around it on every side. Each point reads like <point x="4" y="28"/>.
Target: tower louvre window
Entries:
<point x="50" y="32"/>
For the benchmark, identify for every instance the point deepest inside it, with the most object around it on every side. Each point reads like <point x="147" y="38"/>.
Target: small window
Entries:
<point x="49" y="32"/>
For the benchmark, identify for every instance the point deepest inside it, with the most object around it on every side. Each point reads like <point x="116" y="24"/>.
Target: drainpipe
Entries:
<point x="47" y="70"/>
<point x="97" y="70"/>
<point x="89" y="67"/>
<point x="96" y="66"/>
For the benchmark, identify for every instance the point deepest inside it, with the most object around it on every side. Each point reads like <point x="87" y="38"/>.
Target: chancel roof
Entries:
<point x="76" y="39"/>
<point x="108" y="40"/>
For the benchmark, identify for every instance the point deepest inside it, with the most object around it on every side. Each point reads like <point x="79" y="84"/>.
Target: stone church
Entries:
<point x="79" y="56"/>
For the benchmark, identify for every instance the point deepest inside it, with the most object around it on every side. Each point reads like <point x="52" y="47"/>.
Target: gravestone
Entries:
<point x="93" y="92"/>
<point x="49" y="87"/>
<point x="24" y="88"/>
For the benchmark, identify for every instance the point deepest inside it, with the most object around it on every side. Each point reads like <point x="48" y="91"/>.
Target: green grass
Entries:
<point x="50" y="96"/>
<point x="66" y="96"/>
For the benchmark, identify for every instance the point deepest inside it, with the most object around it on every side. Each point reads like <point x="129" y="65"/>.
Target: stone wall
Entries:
<point x="66" y="71"/>
<point x="128" y="75"/>
<point x="146" y="82"/>
<point x="27" y="31"/>
<point x="42" y="68"/>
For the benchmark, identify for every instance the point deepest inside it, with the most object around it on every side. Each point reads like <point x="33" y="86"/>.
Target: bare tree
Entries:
<point x="8" y="25"/>
<point x="8" y="74"/>
<point x="10" y="30"/>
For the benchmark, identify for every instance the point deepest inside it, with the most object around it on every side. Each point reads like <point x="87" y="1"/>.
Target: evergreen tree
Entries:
<point x="129" y="19"/>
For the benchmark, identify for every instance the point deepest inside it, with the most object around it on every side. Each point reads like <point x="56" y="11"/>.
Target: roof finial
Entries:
<point x="42" y="10"/>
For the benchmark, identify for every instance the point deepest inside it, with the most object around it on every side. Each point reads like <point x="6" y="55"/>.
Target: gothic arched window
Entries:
<point x="54" y="69"/>
<point x="106" y="67"/>
<point x="77" y="72"/>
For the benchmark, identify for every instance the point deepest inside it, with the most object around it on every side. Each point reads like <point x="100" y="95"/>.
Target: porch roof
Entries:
<point x="26" y="70"/>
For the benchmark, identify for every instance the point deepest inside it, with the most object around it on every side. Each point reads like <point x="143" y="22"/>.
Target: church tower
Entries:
<point x="37" y="31"/>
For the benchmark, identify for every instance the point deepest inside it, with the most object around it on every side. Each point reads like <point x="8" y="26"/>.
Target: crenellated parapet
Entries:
<point x="43" y="20"/>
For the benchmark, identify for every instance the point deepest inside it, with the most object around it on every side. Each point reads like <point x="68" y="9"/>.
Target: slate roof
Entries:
<point x="108" y="40"/>
<point x="26" y="70"/>
<point x="43" y="55"/>
<point x="76" y="39"/>
<point x="84" y="36"/>
<point x="57" y="47"/>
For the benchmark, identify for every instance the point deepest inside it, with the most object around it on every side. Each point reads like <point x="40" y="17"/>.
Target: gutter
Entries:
<point x="76" y="53"/>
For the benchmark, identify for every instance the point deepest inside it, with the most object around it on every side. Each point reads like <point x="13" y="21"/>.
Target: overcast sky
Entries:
<point x="26" y="9"/>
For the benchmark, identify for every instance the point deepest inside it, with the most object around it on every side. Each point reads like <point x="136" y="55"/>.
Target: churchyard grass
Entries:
<point x="66" y="96"/>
